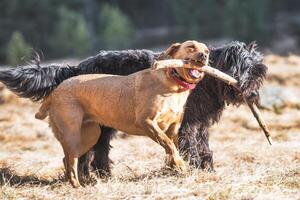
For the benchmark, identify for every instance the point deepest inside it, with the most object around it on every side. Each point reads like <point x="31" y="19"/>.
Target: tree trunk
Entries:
<point x="91" y="16"/>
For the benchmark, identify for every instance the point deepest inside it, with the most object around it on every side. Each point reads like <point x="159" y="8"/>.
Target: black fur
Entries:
<point x="36" y="82"/>
<point x="207" y="101"/>
<point x="204" y="106"/>
<point x="100" y="161"/>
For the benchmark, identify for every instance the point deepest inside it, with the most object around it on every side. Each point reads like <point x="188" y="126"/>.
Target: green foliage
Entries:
<point x="185" y="18"/>
<point x="115" y="29"/>
<point x="34" y="19"/>
<point x="247" y="20"/>
<point x="18" y="51"/>
<point x="71" y="36"/>
<point x="198" y="18"/>
<point x="58" y="28"/>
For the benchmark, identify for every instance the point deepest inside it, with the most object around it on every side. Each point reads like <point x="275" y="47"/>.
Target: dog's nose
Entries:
<point x="254" y="93"/>
<point x="252" y="96"/>
<point x="201" y="56"/>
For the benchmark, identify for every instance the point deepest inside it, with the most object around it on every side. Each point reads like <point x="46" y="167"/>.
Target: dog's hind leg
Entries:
<point x="90" y="133"/>
<point x="102" y="163"/>
<point x="68" y="122"/>
<point x="73" y="163"/>
<point x="70" y="144"/>
<point x="58" y="133"/>
<point x="194" y="146"/>
<point x="66" y="163"/>
<point x="98" y="156"/>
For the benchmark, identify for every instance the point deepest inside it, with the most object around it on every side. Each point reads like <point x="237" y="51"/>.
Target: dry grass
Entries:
<point x="246" y="166"/>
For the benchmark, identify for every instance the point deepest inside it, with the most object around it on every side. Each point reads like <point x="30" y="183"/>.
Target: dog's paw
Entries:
<point x="75" y="183"/>
<point x="176" y="163"/>
<point x="180" y="165"/>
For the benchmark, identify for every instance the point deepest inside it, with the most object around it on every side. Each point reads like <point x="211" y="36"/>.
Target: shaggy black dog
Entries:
<point x="204" y="106"/>
<point x="207" y="101"/>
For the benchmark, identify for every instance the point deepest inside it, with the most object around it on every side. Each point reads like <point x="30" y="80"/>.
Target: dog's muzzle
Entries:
<point x="193" y="73"/>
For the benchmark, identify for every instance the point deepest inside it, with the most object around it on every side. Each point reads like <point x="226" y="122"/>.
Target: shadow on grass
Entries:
<point x="9" y="177"/>
<point x="164" y="172"/>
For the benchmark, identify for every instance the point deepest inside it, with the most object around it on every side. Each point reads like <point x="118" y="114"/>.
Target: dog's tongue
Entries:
<point x="194" y="73"/>
<point x="188" y="86"/>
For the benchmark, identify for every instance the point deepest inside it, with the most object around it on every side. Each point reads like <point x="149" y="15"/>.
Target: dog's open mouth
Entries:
<point x="194" y="73"/>
<point x="181" y="81"/>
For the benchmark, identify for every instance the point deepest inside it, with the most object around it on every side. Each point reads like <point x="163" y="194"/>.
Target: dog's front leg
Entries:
<point x="194" y="145"/>
<point x="155" y="133"/>
<point x="172" y="133"/>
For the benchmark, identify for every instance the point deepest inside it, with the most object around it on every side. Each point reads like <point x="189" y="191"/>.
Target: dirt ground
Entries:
<point x="247" y="167"/>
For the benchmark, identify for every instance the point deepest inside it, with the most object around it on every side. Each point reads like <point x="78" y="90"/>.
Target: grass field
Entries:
<point x="246" y="166"/>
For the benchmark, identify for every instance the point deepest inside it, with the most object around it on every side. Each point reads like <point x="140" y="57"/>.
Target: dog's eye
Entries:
<point x="206" y="51"/>
<point x="191" y="48"/>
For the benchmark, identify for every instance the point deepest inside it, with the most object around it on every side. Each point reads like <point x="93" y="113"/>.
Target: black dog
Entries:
<point x="204" y="106"/>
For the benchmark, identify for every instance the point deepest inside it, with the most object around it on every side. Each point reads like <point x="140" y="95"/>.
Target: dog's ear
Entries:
<point x="252" y="46"/>
<point x="169" y="52"/>
<point x="154" y="65"/>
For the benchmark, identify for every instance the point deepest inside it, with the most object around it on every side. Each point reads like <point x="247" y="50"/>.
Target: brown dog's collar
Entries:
<point x="179" y="80"/>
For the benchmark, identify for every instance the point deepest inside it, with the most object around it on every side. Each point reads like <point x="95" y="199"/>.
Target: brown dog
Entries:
<point x="149" y="103"/>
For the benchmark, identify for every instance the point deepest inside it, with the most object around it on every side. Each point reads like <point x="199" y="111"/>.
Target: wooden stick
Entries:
<point x="260" y="121"/>
<point x="233" y="82"/>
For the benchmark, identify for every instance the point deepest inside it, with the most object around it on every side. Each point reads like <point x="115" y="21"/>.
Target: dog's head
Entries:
<point x="188" y="50"/>
<point x="244" y="63"/>
<point x="195" y="52"/>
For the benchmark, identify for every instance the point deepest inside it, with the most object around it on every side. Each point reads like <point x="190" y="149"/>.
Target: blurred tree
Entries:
<point x="186" y="17"/>
<point x="116" y="29"/>
<point x="247" y="20"/>
<point x="90" y="13"/>
<point x="81" y="38"/>
<point x="47" y="28"/>
<point x="147" y="14"/>
<point x="71" y="34"/>
<point x="18" y="51"/>
<point x="199" y="19"/>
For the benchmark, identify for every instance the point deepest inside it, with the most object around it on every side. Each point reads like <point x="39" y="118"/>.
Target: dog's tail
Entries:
<point x="36" y="82"/>
<point x="43" y="111"/>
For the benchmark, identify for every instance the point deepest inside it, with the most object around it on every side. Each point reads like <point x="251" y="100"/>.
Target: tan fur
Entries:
<point x="188" y="50"/>
<point x="147" y="103"/>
